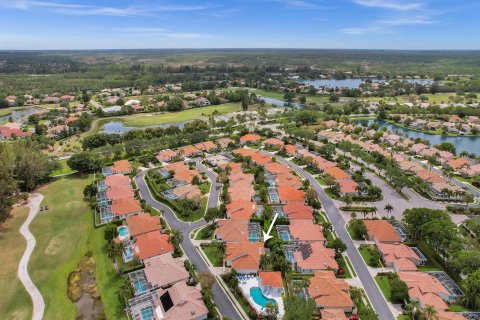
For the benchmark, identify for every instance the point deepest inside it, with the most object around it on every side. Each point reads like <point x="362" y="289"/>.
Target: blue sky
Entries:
<point x="364" y="24"/>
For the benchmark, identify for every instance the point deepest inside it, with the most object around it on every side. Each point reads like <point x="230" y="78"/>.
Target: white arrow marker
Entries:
<point x="267" y="235"/>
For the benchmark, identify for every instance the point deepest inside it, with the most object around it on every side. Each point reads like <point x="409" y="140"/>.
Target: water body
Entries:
<point x="120" y="127"/>
<point x="19" y="114"/>
<point x="461" y="143"/>
<point x="280" y="103"/>
<point x="353" y="83"/>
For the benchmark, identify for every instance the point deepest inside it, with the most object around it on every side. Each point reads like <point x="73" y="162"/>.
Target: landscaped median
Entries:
<point x="194" y="211"/>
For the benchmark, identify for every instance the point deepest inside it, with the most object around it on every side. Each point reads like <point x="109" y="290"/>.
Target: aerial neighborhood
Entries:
<point x="239" y="186"/>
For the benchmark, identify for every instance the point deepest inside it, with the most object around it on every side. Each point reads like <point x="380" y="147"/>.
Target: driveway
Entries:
<point x="224" y="304"/>
<point x="376" y="298"/>
<point x="38" y="302"/>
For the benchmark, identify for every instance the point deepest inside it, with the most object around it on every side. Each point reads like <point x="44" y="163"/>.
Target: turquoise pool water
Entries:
<point x="259" y="298"/>
<point x="123" y="231"/>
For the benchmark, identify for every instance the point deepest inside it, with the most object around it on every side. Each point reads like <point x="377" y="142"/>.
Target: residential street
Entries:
<point x="222" y="301"/>
<point x="371" y="289"/>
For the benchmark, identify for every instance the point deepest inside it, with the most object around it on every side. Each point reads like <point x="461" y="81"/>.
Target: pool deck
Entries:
<point x="253" y="282"/>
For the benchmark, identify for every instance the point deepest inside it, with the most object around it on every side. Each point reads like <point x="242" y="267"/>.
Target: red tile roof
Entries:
<point x="152" y="244"/>
<point x="143" y="223"/>
<point x="291" y="194"/>
<point x="271" y="278"/>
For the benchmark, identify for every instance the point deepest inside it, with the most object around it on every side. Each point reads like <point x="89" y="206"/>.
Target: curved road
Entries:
<point x="37" y="299"/>
<point x="222" y="301"/>
<point x="371" y="288"/>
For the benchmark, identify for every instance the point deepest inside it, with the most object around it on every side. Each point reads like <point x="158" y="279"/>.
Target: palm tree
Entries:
<point x="468" y="198"/>
<point x="176" y="237"/>
<point x="389" y="209"/>
<point x="411" y="309"/>
<point x="428" y="313"/>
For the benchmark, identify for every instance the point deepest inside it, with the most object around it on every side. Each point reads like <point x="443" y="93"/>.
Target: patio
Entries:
<point x="249" y="282"/>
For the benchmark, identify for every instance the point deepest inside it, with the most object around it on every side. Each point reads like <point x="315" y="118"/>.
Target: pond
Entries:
<point x="461" y="143"/>
<point x="279" y="103"/>
<point x="19" y="113"/>
<point x="353" y="83"/>
<point x="120" y="127"/>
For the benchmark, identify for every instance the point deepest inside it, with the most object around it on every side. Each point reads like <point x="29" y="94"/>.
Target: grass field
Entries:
<point x="15" y="302"/>
<point x="206" y="233"/>
<point x="213" y="254"/>
<point x="64" y="235"/>
<point x="191" y="114"/>
<point x="384" y="286"/>
<point x="64" y="169"/>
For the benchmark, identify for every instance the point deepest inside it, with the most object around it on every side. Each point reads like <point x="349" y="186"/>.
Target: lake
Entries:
<point x="279" y="103"/>
<point x="19" y="113"/>
<point x="461" y="143"/>
<point x="353" y="83"/>
<point x="120" y="127"/>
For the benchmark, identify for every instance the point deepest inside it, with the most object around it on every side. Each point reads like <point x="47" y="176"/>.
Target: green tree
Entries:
<point x="110" y="232"/>
<point x="175" y="237"/>
<point x="399" y="290"/>
<point x="338" y="245"/>
<point x="471" y="287"/>
<point x="245" y="100"/>
<point x="84" y="162"/>
<point x="271" y="310"/>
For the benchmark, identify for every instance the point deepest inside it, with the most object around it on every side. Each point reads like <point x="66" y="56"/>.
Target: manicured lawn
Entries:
<point x="108" y="280"/>
<point x="142" y="121"/>
<point x="403" y="317"/>
<point x="343" y="264"/>
<point x="384" y="286"/>
<point x="205" y="187"/>
<point x="366" y="255"/>
<point x="206" y="233"/>
<point x="64" y="169"/>
<point x="64" y="235"/>
<point x="321" y="181"/>
<point x="214" y="255"/>
<point x="457" y="308"/>
<point x="15" y="302"/>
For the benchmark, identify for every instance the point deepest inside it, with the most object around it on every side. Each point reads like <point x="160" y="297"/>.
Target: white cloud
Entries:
<point x="82" y="9"/>
<point x="301" y="4"/>
<point x="366" y="30"/>
<point x="163" y="33"/>
<point x="418" y="20"/>
<point x="388" y="4"/>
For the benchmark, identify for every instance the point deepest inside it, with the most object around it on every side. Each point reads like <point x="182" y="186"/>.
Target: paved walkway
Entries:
<point x="38" y="302"/>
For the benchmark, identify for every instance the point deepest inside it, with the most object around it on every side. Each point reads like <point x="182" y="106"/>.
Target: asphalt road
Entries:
<point x="222" y="301"/>
<point x="373" y="292"/>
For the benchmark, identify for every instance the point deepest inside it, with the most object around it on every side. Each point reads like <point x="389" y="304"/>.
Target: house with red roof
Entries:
<point x="151" y="244"/>
<point x="274" y="143"/>
<point x="244" y="257"/>
<point x="250" y="138"/>
<point x="271" y="281"/>
<point x="313" y="257"/>
<point x="306" y="231"/>
<point x="166" y="155"/>
<point x="290" y="194"/>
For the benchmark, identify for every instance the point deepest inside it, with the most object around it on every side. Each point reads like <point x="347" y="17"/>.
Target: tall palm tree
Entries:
<point x="176" y="237"/>
<point x="428" y="313"/>
<point x="389" y="209"/>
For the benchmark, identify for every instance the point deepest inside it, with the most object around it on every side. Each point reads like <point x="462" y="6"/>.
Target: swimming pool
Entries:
<point x="284" y="235"/>
<point x="253" y="237"/>
<point x="259" y="298"/>
<point x="140" y="286"/>
<point x="123" y="231"/>
<point x="289" y="256"/>
<point x="147" y="313"/>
